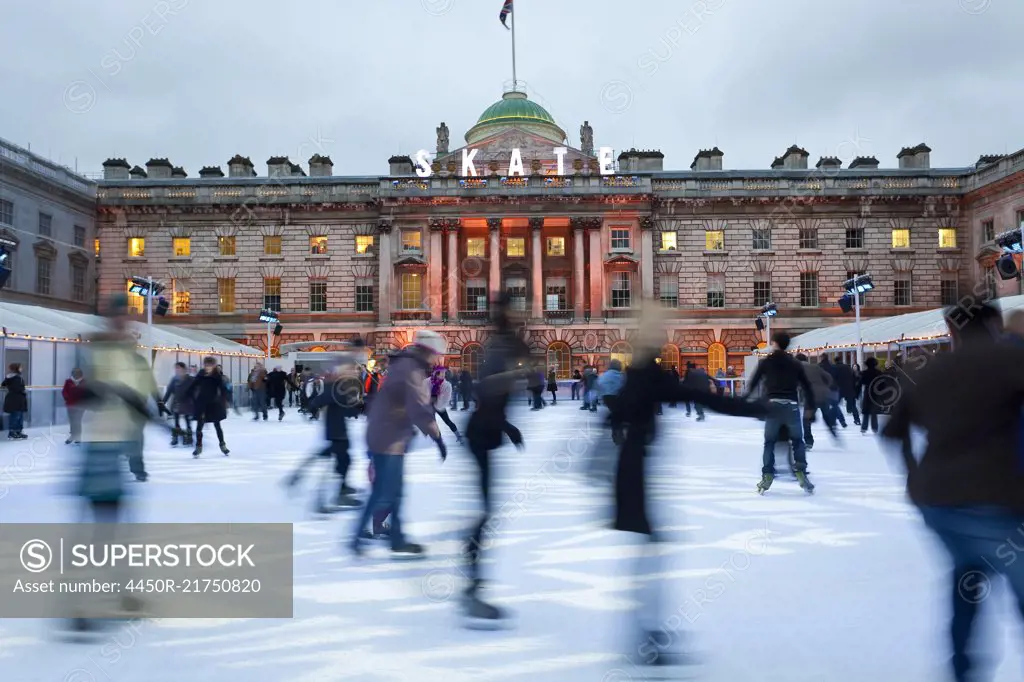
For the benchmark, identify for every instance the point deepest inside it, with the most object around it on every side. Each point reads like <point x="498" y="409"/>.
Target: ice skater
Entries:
<point x="440" y="397"/>
<point x="210" y="396"/>
<point x="177" y="397"/>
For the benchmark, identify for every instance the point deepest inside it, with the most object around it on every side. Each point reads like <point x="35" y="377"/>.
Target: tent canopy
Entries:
<point x="928" y="326"/>
<point x="35" y="322"/>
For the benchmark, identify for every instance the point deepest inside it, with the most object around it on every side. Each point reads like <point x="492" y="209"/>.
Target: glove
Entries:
<point x="441" y="448"/>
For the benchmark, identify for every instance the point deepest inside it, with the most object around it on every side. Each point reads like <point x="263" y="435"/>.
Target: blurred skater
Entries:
<point x="177" y="396"/>
<point x="15" y="402"/>
<point x="73" y="393"/>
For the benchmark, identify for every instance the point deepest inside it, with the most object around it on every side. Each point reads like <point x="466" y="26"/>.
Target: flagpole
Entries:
<point x="514" y="81"/>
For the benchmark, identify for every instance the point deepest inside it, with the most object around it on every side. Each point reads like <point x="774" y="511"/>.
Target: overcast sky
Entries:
<point x="198" y="81"/>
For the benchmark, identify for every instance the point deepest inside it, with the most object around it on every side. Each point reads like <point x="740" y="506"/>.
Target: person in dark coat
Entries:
<point x="577" y="380"/>
<point x="15" y="402"/>
<point x="697" y="380"/>
<point x="277" y="383"/>
<point x="552" y="386"/>
<point x="465" y="388"/>
<point x="535" y="382"/>
<point x="73" y="393"/>
<point x="846" y="380"/>
<point x="177" y="397"/>
<point x="646" y="386"/>
<point x="210" y="397"/>
<point x="969" y="482"/>
<point x="488" y="425"/>
<point x="869" y="407"/>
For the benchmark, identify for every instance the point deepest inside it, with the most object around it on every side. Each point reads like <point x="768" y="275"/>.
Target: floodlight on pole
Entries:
<point x="145" y="286"/>
<point x="270" y="317"/>
<point x="768" y="311"/>
<point x="855" y="286"/>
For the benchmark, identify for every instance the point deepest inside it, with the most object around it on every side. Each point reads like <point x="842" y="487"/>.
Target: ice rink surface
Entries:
<point x="842" y="586"/>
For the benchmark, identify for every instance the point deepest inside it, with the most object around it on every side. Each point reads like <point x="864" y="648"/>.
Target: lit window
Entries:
<point x="136" y="303"/>
<point x="515" y="247"/>
<point x="622" y="289"/>
<point x="136" y="247"/>
<point x="476" y="295"/>
<point x="272" y="246"/>
<point x="471" y="354"/>
<point x="272" y="293"/>
<point x="318" y="246"/>
<point x="226" y="246"/>
<point x="44" y="270"/>
<point x="670" y="356"/>
<point x="364" y="243"/>
<point x="182" y="247"/>
<point x="560" y="359"/>
<point x="901" y="238"/>
<point x="77" y="282"/>
<point x="623" y="352"/>
<point x="714" y="240"/>
<point x="809" y="289"/>
<point x="716" y="291"/>
<point x="181" y="301"/>
<point x="901" y="291"/>
<point x="556" y="294"/>
<point x="555" y="246"/>
<point x="620" y="239"/>
<point x="226" y="295"/>
<point x="318" y="296"/>
<point x="716" y="358"/>
<point x="412" y="240"/>
<point x="516" y="289"/>
<point x="364" y="295"/>
<point x="412" y="291"/>
<point x="475" y="247"/>
<point x="947" y="237"/>
<point x="668" y="289"/>
<point x="79" y="236"/>
<point x="96" y="246"/>
<point x="668" y="241"/>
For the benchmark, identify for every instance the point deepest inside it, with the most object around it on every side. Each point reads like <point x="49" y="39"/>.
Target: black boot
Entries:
<point x="224" y="449"/>
<point x="478" y="614"/>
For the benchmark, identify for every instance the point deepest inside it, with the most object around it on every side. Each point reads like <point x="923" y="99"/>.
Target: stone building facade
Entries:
<point x="384" y="256"/>
<point x="49" y="213"/>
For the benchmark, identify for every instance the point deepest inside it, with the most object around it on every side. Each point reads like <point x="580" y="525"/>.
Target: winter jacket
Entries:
<point x="466" y="382"/>
<point x="210" y="397"/>
<point x="783" y="376"/>
<point x="176" y="397"/>
<point x="697" y="379"/>
<point x="846" y="382"/>
<point x="610" y="383"/>
<point x="968" y="401"/>
<point x="552" y="382"/>
<point x="589" y="379"/>
<point x="867" y="384"/>
<point x="444" y="397"/>
<point x="111" y="419"/>
<point x="401" y="405"/>
<point x="822" y="383"/>
<point x="257" y="380"/>
<point x="489" y="424"/>
<point x="16" y="399"/>
<point x="73" y="392"/>
<point x="276" y="382"/>
<point x="343" y="400"/>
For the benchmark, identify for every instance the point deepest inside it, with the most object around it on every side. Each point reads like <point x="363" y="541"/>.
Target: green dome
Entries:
<point x="514" y="109"/>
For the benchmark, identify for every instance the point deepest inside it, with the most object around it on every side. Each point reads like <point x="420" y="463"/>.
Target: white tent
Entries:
<point x="46" y="343"/>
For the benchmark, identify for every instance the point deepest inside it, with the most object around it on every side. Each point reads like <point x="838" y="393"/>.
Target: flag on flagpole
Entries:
<point x="506" y="10"/>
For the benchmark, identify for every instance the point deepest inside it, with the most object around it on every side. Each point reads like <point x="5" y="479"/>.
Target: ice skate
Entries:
<point x="479" y="615"/>
<point x="174" y="440"/>
<point x="410" y="551"/>
<point x="187" y="438"/>
<point x="765" y="484"/>
<point x="224" y="449"/>
<point x="198" y="451"/>
<point x="805" y="483"/>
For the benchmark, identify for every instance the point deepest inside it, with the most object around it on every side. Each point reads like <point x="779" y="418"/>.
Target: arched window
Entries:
<point x="622" y="352"/>
<point x="670" y="357"/>
<point x="471" y="353"/>
<point x="560" y="359"/>
<point x="317" y="349"/>
<point x="716" y="358"/>
<point x="762" y="344"/>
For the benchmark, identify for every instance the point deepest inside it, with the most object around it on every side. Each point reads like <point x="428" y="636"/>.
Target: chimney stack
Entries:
<point x="178" y="172"/>
<point x="241" y="167"/>
<point x="828" y="163"/>
<point x="138" y="173"/>
<point x="159" y="169"/>
<point x="918" y="157"/>
<point x="794" y="158"/>
<point x="320" y="166"/>
<point x="211" y="172"/>
<point x="864" y="163"/>
<point x="279" y="167"/>
<point x="115" y="169"/>
<point x="707" y="160"/>
<point x="641" y="160"/>
<point x="296" y="170"/>
<point x="988" y="159"/>
<point x="400" y="165"/>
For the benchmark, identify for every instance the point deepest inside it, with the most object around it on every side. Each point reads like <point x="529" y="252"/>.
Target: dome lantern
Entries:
<point x="515" y="109"/>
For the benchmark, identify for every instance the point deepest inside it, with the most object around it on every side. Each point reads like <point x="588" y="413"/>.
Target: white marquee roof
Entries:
<point x="909" y="329"/>
<point x="46" y="324"/>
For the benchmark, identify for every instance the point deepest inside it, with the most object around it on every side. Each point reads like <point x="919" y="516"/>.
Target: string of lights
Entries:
<point x="169" y="349"/>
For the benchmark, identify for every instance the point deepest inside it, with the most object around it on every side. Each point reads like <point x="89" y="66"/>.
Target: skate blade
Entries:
<point x="408" y="557"/>
<point x="487" y="625"/>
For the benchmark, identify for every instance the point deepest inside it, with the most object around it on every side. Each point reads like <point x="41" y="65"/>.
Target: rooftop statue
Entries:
<point x="442" y="139"/>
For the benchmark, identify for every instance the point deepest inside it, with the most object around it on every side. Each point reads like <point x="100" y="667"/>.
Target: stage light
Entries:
<point x="758" y="324"/>
<point x="846" y="303"/>
<point x="162" y="306"/>
<point x="278" y="329"/>
<point x="859" y="284"/>
<point x="770" y="310"/>
<point x="268" y="316"/>
<point x="1006" y="266"/>
<point x="1010" y="242"/>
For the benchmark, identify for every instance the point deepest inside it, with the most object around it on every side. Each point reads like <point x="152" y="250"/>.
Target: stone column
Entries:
<point x="647" y="256"/>
<point x="536" y="269"/>
<point x="434" y="277"/>
<point x="577" y="271"/>
<point x="494" y="254"/>
<point x="454" y="276"/>
<point x="596" y="269"/>
<point x="385" y="270"/>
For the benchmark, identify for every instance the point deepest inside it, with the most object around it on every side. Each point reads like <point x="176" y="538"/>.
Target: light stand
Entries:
<point x="855" y="286"/>
<point x="270" y="317"/>
<point x="769" y="311"/>
<point x="145" y="286"/>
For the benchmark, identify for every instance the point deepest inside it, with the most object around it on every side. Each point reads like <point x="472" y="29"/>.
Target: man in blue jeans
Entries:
<point x="969" y="482"/>
<point x="783" y="376"/>
<point x="401" y="406"/>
